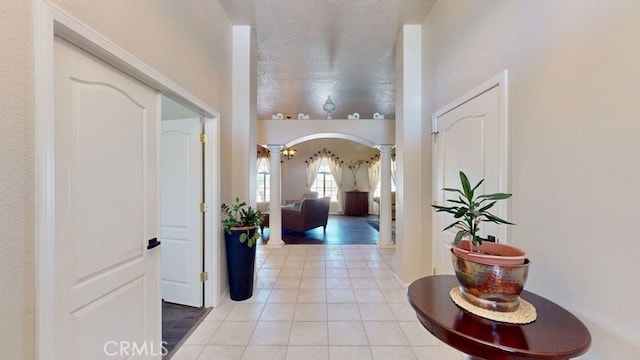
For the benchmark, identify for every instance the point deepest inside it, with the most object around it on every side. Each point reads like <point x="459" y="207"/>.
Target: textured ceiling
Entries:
<point x="309" y="49"/>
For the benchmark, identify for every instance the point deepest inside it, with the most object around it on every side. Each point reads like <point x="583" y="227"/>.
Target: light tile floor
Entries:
<point x="318" y="302"/>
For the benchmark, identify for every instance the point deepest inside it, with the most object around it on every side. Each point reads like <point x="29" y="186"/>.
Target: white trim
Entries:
<point x="50" y="21"/>
<point x="501" y="81"/>
<point x="212" y="237"/>
<point x="497" y="80"/>
<point x="44" y="181"/>
<point x="315" y="136"/>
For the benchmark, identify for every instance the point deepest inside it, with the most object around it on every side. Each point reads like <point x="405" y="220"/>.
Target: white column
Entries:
<point x="386" y="240"/>
<point x="412" y="257"/>
<point x="275" y="209"/>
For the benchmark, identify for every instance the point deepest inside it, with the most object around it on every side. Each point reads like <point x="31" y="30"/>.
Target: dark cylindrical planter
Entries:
<point x="241" y="261"/>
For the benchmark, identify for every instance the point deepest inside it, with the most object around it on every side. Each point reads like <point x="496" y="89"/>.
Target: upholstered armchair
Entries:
<point x="393" y="204"/>
<point x="306" y="195"/>
<point x="311" y="213"/>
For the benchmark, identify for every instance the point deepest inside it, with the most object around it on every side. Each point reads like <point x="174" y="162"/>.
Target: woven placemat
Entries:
<point x="525" y="313"/>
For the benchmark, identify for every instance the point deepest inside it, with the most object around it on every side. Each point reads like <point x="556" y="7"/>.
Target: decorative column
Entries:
<point x="386" y="240"/>
<point x="275" y="209"/>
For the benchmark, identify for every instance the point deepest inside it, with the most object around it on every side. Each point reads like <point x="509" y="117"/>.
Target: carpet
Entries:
<point x="341" y="230"/>
<point x="374" y="223"/>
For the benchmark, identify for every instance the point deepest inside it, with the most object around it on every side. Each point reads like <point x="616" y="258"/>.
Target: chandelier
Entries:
<point x="288" y="153"/>
<point x="329" y="107"/>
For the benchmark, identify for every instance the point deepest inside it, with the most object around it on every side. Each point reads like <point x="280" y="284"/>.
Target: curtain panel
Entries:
<point x="374" y="171"/>
<point x="336" y="172"/>
<point x="312" y="171"/>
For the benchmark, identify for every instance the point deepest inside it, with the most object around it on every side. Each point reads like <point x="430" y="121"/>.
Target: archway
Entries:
<point x="277" y="180"/>
<point x="332" y="135"/>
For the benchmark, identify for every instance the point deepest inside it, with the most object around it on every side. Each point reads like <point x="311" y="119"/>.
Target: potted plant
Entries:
<point x="491" y="275"/>
<point x="354" y="166"/>
<point x="240" y="226"/>
<point x="470" y="211"/>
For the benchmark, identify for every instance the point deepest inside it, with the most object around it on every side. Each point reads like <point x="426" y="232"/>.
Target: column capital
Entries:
<point x="277" y="147"/>
<point x="385" y="148"/>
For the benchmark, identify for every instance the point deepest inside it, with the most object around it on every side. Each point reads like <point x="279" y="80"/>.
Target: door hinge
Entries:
<point x="204" y="207"/>
<point x="203" y="138"/>
<point x="434" y="271"/>
<point x="435" y="135"/>
<point x="204" y="276"/>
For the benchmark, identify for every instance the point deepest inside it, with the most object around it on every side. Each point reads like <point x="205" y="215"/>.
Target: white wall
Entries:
<point x="187" y="41"/>
<point x="243" y="135"/>
<point x="575" y="141"/>
<point x="17" y="159"/>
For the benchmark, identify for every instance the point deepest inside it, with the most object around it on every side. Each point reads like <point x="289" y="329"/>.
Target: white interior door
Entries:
<point x="106" y="210"/>
<point x="470" y="136"/>
<point x="182" y="221"/>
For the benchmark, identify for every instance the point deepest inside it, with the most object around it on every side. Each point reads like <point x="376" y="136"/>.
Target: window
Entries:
<point x="264" y="181"/>
<point x="324" y="185"/>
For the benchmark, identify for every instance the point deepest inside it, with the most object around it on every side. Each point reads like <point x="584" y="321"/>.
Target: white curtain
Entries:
<point x="336" y="172"/>
<point x="263" y="162"/>
<point x="373" y="171"/>
<point x="312" y="171"/>
<point x="374" y="174"/>
<point x="263" y="166"/>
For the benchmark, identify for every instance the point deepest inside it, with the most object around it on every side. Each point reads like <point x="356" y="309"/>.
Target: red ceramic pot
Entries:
<point x="490" y="253"/>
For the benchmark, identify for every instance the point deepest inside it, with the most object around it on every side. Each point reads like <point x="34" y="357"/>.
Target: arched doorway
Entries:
<point x="289" y="177"/>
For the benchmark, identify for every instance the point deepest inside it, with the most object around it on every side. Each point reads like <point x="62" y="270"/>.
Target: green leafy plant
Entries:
<point x="471" y="210"/>
<point x="240" y="215"/>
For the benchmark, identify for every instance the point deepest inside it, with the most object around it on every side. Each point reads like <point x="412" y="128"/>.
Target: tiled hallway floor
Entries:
<point x="318" y="302"/>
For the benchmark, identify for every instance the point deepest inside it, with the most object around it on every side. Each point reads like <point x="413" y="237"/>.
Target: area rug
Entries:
<point x="341" y="230"/>
<point x="374" y="223"/>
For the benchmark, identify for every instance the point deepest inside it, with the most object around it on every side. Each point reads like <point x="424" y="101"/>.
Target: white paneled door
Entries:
<point x="107" y="264"/>
<point x="181" y="224"/>
<point x="469" y="136"/>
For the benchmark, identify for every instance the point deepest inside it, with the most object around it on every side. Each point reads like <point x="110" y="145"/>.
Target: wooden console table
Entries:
<point x="356" y="203"/>
<point x="556" y="334"/>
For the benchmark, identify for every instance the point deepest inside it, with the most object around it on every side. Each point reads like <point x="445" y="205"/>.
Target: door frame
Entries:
<point x="501" y="81"/>
<point x="209" y="193"/>
<point x="51" y="21"/>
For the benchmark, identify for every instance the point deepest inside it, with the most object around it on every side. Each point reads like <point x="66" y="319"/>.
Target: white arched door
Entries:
<point x="470" y="135"/>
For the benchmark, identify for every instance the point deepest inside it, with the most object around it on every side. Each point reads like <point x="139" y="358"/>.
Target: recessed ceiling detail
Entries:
<point x="311" y="49"/>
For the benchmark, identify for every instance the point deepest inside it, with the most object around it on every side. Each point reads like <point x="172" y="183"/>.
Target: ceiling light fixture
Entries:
<point x="288" y="153"/>
<point x="329" y="107"/>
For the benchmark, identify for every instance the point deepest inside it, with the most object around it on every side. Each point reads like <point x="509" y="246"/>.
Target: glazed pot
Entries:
<point x="492" y="287"/>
